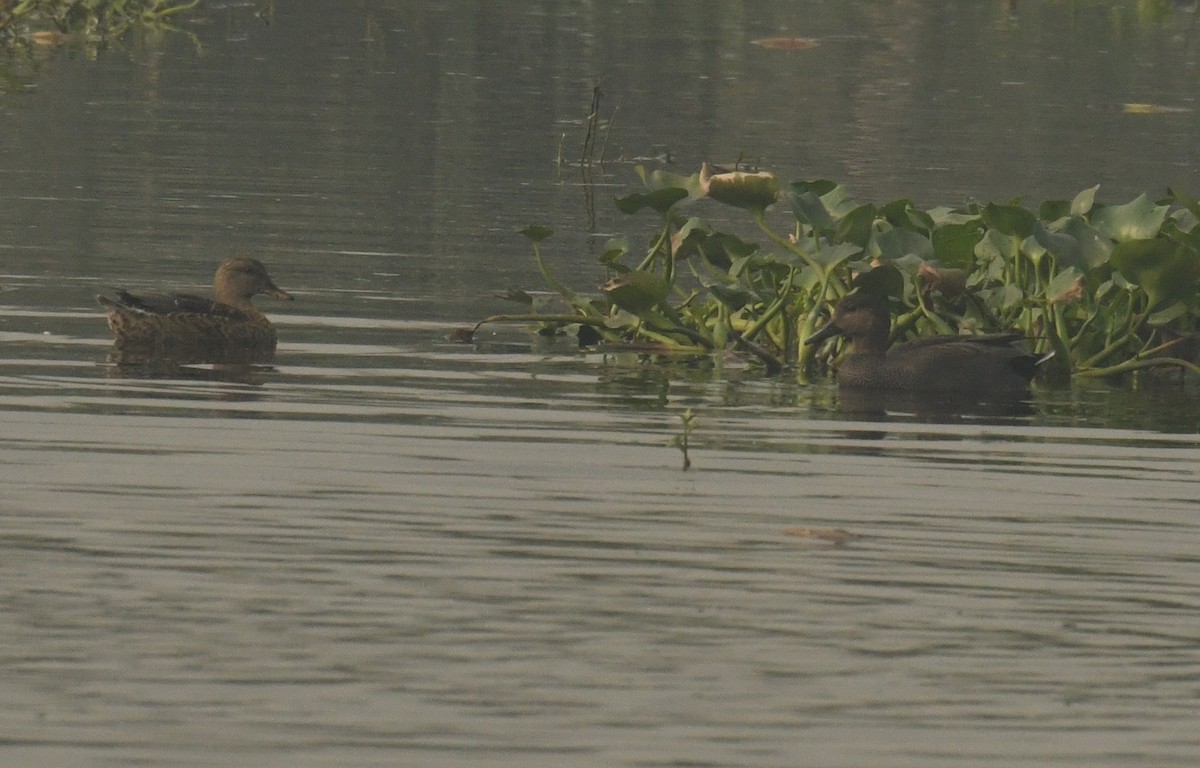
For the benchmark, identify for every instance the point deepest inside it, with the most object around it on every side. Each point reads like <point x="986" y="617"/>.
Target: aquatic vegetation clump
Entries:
<point x="89" y="23"/>
<point x="1109" y="289"/>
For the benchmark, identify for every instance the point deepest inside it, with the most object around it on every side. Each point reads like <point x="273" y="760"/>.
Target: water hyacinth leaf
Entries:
<point x="884" y="280"/>
<point x="517" y="295"/>
<point x="1176" y="311"/>
<point x="1187" y="201"/>
<point x="857" y="226"/>
<point x="661" y="200"/>
<point x="753" y="192"/>
<point x="1184" y="220"/>
<point x="819" y="187"/>
<point x="614" y="249"/>
<point x="895" y="244"/>
<point x="660" y="179"/>
<point x="942" y="216"/>
<point x="735" y="297"/>
<point x="1138" y="219"/>
<point x="809" y="279"/>
<point x="838" y="201"/>
<point x="743" y="264"/>
<point x="1033" y="250"/>
<point x="808" y="208"/>
<point x="1094" y="249"/>
<point x="903" y="214"/>
<point x="997" y="247"/>
<point x="1065" y="287"/>
<point x="536" y="232"/>
<point x="1062" y="246"/>
<point x="954" y="243"/>
<point x="1166" y="271"/>
<point x="833" y="256"/>
<point x="1010" y="220"/>
<point x="688" y="239"/>
<point x="636" y="291"/>
<point x="1083" y="202"/>
<point x="1054" y="210"/>
<point x="1011" y="296"/>
<point x="722" y="249"/>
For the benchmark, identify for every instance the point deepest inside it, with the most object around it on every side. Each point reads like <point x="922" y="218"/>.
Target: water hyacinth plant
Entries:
<point x="1110" y="289"/>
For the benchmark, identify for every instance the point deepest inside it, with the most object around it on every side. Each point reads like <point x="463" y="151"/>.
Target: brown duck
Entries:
<point x="987" y="365"/>
<point x="189" y="328"/>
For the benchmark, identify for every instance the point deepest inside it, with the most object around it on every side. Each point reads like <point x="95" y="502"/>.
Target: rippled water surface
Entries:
<point x="388" y="549"/>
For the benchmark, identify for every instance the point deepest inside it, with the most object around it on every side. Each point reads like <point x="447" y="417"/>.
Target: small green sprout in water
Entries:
<point x="687" y="420"/>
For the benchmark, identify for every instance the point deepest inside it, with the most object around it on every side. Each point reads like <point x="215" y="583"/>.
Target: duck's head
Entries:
<point x="239" y="279"/>
<point x="862" y="317"/>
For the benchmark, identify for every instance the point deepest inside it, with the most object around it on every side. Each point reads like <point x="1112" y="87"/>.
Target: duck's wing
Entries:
<point x="990" y="351"/>
<point x="983" y="340"/>
<point x="173" y="304"/>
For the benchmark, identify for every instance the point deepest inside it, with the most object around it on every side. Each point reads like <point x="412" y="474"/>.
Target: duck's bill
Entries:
<point x="276" y="292"/>
<point x="828" y="332"/>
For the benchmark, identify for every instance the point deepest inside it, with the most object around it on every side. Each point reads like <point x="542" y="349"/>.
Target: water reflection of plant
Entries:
<point x="88" y="23"/>
<point x="1109" y="288"/>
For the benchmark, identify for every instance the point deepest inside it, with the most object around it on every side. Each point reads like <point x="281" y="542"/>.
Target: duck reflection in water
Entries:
<point x="935" y="374"/>
<point x="163" y="331"/>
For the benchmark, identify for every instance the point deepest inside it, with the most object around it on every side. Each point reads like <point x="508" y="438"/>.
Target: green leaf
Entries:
<point x="1093" y="248"/>
<point x="898" y="243"/>
<point x="903" y="214"/>
<point x="1010" y="220"/>
<point x="1185" y="220"/>
<point x="733" y="296"/>
<point x="836" y="254"/>
<point x="818" y="187"/>
<point x="996" y="246"/>
<point x="1033" y="250"/>
<point x="517" y="295"/>
<point x="1063" y="284"/>
<point x="1165" y="316"/>
<point x="808" y="209"/>
<point x="1189" y="203"/>
<point x="1138" y="219"/>
<point x="1053" y="210"/>
<point x="660" y="179"/>
<point x="661" y="200"/>
<point x="942" y="216"/>
<point x="885" y="280"/>
<point x="636" y="291"/>
<point x="1083" y="202"/>
<point x="536" y="232"/>
<point x="954" y="244"/>
<point x="856" y="226"/>
<point x="722" y="249"/>
<point x="1166" y="271"/>
<point x="614" y="249"/>
<point x="1011" y="296"/>
<point x="689" y="239"/>
<point x="838" y="201"/>
<point x="1062" y="246"/>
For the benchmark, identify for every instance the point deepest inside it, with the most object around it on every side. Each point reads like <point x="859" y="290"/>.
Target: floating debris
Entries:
<point x="1135" y="108"/>
<point x="835" y="536"/>
<point x="786" y="43"/>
